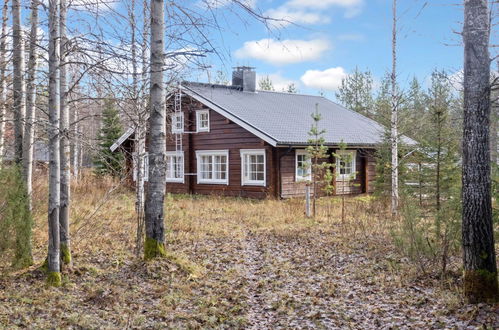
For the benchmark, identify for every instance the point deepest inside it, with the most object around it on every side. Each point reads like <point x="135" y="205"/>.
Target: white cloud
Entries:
<point x="285" y="16"/>
<point x="283" y="52"/>
<point x="329" y="79"/>
<point x="214" y="4"/>
<point x="324" y="4"/>
<point x="279" y="82"/>
<point x="91" y="5"/>
<point x="310" y="11"/>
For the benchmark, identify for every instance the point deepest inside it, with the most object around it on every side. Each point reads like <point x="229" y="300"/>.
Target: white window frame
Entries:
<point x="145" y="164"/>
<point x="308" y="177"/>
<point x="346" y="177"/>
<point x="256" y="152"/>
<point x="212" y="153"/>
<point x="174" y="119"/>
<point x="172" y="169"/>
<point x="198" y="120"/>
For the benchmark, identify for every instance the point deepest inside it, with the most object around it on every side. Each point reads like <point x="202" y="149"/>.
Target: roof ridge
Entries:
<point x="195" y="83"/>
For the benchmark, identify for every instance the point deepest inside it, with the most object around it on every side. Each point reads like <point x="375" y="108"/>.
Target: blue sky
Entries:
<point x="335" y="36"/>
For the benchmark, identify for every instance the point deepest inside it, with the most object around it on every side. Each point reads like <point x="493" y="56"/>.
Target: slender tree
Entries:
<point x="155" y="195"/>
<point x="480" y="269"/>
<point x="394" y="117"/>
<point x="19" y="88"/>
<point x="3" y="78"/>
<point x="317" y="152"/>
<point x="29" y="129"/>
<point x="64" y="142"/>
<point x="53" y="260"/>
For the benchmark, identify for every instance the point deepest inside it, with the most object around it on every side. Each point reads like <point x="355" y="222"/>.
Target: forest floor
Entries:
<point x="233" y="263"/>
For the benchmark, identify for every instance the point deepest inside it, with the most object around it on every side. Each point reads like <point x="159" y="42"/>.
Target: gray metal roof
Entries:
<point x="285" y="119"/>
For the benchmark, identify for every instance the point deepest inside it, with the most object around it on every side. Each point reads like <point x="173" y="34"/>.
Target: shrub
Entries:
<point x="16" y="221"/>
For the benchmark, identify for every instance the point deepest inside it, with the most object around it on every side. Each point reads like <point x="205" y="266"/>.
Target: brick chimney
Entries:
<point x="245" y="78"/>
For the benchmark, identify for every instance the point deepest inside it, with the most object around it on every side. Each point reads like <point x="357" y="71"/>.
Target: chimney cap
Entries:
<point x="244" y="68"/>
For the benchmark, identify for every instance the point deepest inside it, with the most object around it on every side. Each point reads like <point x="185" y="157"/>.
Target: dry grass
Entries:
<point x="232" y="263"/>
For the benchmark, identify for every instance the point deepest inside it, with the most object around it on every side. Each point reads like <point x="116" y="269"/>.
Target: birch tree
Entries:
<point x="64" y="141"/>
<point x="18" y="80"/>
<point x="140" y="117"/>
<point x="155" y="195"/>
<point x="3" y="78"/>
<point x="394" y="117"/>
<point x="29" y="130"/>
<point x="54" y="269"/>
<point x="480" y="269"/>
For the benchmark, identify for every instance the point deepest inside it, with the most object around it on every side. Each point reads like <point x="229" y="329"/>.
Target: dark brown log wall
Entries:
<point x="223" y="135"/>
<point x="363" y="182"/>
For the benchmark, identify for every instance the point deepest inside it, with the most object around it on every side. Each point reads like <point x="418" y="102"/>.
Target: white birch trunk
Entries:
<point x="3" y="83"/>
<point x="394" y="118"/>
<point x="29" y="129"/>
<point x="64" y="142"/>
<point x="155" y="195"/>
<point x="75" y="145"/>
<point x="54" y="151"/>
<point x="139" y="140"/>
<point x="19" y="92"/>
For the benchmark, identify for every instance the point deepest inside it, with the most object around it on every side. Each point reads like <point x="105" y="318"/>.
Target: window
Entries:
<point x="303" y="166"/>
<point x="203" y="120"/>
<point x="345" y="165"/>
<point x="253" y="167"/>
<point x="213" y="166"/>
<point x="178" y="122"/>
<point x="145" y="166"/>
<point x="174" y="166"/>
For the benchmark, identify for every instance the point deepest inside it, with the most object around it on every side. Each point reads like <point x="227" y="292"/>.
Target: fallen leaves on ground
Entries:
<point x="233" y="264"/>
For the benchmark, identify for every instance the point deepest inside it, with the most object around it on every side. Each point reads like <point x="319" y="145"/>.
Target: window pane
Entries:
<point x="206" y="167"/>
<point x="178" y="170"/>
<point x="168" y="167"/>
<point x="254" y="167"/>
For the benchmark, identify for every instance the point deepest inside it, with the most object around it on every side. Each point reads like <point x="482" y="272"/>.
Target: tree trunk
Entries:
<point x="29" y="129"/>
<point x="139" y="136"/>
<point x="439" y="153"/>
<point x="54" y="275"/>
<point x="480" y="269"/>
<point x="75" y="143"/>
<point x="155" y="195"/>
<point x="3" y="83"/>
<point x="19" y="91"/>
<point x="494" y="117"/>
<point x="64" y="144"/>
<point x="394" y="117"/>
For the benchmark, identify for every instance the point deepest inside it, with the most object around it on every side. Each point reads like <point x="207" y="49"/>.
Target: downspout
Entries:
<point x="279" y="180"/>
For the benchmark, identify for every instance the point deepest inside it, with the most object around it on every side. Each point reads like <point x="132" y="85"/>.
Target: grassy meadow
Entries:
<point x="233" y="263"/>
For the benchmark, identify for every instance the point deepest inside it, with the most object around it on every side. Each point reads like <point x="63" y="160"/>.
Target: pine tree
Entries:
<point x="108" y="162"/>
<point x="441" y="143"/>
<point x="291" y="88"/>
<point x="265" y="84"/>
<point x="355" y="92"/>
<point x="317" y="152"/>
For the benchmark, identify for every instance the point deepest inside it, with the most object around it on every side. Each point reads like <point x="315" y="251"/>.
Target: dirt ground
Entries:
<point x="233" y="264"/>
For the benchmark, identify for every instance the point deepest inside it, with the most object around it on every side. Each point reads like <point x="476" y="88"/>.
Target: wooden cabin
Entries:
<point x="236" y="141"/>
